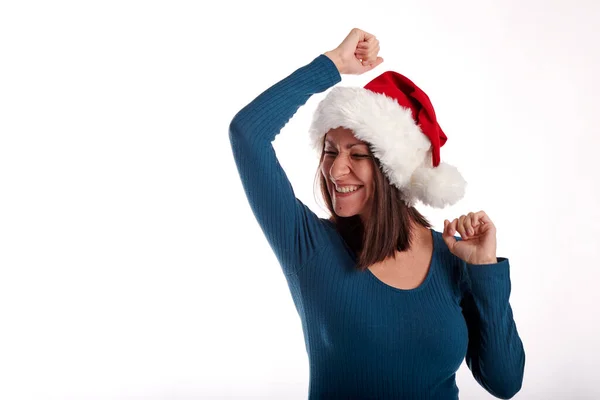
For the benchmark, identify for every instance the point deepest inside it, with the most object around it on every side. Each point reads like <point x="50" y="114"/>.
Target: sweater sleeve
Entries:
<point x="495" y="354"/>
<point x="291" y="228"/>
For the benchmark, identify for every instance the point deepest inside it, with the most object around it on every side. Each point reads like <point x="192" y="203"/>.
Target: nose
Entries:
<point x="339" y="168"/>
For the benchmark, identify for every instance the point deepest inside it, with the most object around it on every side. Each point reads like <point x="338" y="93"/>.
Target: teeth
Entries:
<point x="346" y="189"/>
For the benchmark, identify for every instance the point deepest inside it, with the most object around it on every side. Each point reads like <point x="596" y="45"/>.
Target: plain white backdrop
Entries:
<point x="131" y="266"/>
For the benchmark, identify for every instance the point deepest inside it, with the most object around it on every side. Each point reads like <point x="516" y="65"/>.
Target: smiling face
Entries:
<point x="348" y="169"/>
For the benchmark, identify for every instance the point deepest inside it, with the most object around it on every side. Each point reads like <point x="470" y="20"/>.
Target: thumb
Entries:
<point x="368" y="67"/>
<point x="447" y="236"/>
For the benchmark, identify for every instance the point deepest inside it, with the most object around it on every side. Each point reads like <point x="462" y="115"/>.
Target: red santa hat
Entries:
<point x="397" y="119"/>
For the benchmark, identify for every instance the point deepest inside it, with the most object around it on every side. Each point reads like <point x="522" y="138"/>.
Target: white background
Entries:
<point x="131" y="266"/>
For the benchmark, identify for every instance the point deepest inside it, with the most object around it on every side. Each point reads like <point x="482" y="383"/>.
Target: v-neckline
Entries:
<point x="425" y="281"/>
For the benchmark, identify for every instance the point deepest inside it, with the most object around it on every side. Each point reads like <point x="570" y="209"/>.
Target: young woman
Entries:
<point x="389" y="307"/>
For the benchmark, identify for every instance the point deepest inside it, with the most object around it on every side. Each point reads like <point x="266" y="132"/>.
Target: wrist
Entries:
<point x="484" y="261"/>
<point x="335" y="58"/>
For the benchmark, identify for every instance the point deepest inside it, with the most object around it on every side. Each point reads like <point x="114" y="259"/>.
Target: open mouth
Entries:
<point x="347" y="193"/>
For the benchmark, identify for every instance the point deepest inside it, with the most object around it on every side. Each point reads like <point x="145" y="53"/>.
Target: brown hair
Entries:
<point x="388" y="227"/>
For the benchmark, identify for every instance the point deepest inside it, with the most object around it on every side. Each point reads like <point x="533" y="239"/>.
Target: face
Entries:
<point x="348" y="166"/>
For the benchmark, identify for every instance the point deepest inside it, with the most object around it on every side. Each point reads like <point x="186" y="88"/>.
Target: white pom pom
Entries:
<point x="437" y="187"/>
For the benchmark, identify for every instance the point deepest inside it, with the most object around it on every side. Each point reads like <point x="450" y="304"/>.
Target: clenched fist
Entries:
<point x="357" y="54"/>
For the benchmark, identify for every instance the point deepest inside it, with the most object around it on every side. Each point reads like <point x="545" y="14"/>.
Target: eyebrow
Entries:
<point x="348" y="145"/>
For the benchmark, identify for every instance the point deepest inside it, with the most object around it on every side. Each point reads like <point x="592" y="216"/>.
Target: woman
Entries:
<point x="389" y="307"/>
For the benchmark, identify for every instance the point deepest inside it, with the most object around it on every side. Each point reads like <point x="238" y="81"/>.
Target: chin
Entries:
<point x="347" y="213"/>
<point x="351" y="208"/>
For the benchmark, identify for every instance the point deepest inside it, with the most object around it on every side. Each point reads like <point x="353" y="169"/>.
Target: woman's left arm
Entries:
<point x="495" y="354"/>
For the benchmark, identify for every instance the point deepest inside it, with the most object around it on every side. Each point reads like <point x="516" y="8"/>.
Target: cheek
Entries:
<point x="366" y="173"/>
<point x="324" y="168"/>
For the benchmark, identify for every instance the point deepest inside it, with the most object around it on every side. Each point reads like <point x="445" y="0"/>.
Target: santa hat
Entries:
<point x="398" y="121"/>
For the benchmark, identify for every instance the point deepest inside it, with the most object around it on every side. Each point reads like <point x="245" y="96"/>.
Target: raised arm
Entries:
<point x="495" y="354"/>
<point x="290" y="227"/>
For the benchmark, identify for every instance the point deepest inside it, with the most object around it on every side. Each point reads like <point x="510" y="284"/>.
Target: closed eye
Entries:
<point x="353" y="155"/>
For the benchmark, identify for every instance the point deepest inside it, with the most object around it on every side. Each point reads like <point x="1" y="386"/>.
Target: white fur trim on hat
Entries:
<point x="395" y="139"/>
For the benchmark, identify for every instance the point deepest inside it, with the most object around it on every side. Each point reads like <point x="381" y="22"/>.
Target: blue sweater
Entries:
<point x="364" y="338"/>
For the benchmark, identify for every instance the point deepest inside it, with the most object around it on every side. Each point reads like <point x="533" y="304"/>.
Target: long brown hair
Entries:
<point x="389" y="225"/>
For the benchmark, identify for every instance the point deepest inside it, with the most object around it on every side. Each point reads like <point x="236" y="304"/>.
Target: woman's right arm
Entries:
<point x="293" y="231"/>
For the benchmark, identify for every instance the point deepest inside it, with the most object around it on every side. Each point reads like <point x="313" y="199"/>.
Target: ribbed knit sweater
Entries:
<point x="364" y="338"/>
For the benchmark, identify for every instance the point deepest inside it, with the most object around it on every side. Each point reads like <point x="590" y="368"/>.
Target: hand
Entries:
<point x="356" y="54"/>
<point x="478" y="244"/>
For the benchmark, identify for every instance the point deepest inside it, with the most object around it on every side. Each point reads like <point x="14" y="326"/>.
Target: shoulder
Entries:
<point x="442" y="246"/>
<point x="446" y="258"/>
